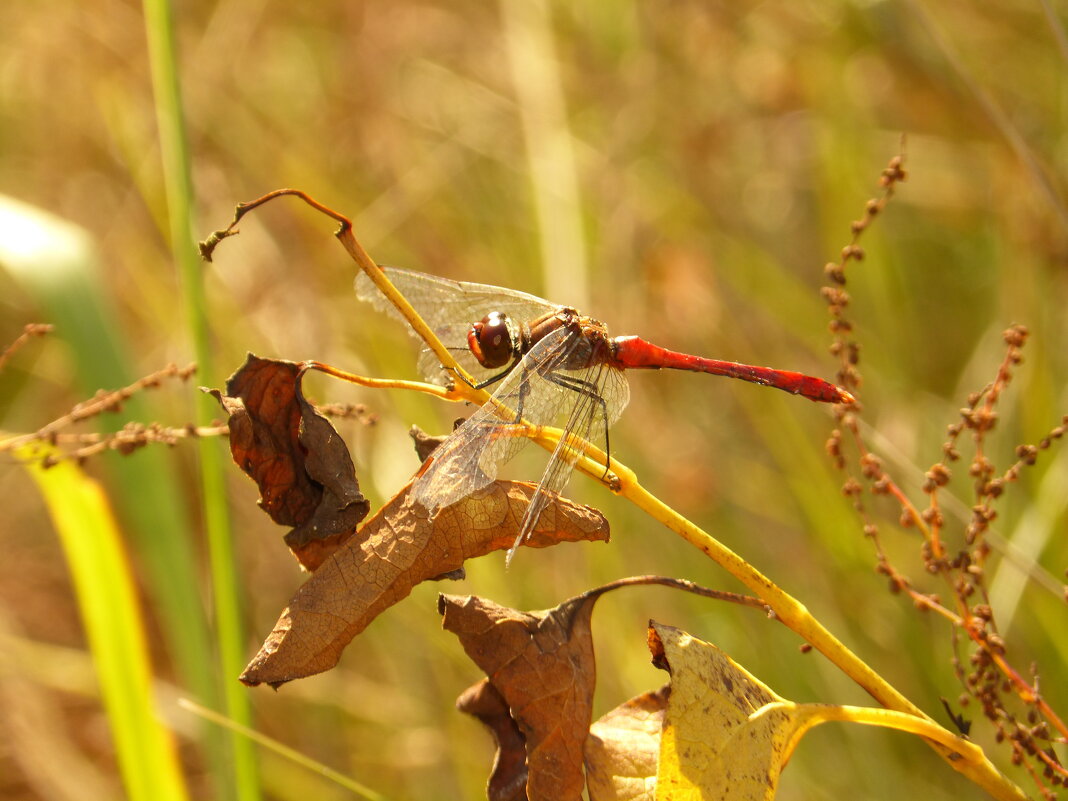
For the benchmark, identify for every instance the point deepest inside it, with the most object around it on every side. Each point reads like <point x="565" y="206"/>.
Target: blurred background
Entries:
<point x="682" y="171"/>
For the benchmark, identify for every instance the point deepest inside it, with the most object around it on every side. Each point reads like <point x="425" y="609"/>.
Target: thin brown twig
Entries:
<point x="207" y="247"/>
<point x="103" y="402"/>
<point x="30" y="331"/>
<point x="680" y="584"/>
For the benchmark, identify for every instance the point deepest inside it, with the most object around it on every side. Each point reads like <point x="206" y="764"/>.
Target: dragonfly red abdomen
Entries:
<point x="635" y="353"/>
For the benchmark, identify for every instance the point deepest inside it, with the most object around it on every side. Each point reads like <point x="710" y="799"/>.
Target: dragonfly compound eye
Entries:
<point x="492" y="341"/>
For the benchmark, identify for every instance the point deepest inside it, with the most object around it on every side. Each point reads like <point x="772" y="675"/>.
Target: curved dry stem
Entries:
<point x="678" y="584"/>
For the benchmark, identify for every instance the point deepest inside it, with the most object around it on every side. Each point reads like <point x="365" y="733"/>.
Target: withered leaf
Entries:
<point x="295" y="456"/>
<point x="508" y="779"/>
<point x="393" y="551"/>
<point x="542" y="664"/>
<point x="425" y="444"/>
<point x="623" y="748"/>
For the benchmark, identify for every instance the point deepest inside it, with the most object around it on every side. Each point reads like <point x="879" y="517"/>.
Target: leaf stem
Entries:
<point x="814" y="714"/>
<point x="384" y="383"/>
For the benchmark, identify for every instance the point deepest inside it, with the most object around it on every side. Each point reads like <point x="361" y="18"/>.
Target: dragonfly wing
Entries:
<point x="464" y="463"/>
<point x="600" y="393"/>
<point x="449" y="308"/>
<point x="470" y="457"/>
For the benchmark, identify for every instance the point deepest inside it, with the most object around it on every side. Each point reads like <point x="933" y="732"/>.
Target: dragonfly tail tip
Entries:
<point x="845" y="396"/>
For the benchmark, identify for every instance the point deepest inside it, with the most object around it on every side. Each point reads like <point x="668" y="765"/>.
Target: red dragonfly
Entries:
<point x="554" y="367"/>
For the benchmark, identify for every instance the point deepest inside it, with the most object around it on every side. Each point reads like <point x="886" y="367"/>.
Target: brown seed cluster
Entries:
<point x="843" y="345"/>
<point x="956" y="556"/>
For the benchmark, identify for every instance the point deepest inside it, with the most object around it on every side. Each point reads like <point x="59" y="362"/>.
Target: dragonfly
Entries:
<point x="551" y="366"/>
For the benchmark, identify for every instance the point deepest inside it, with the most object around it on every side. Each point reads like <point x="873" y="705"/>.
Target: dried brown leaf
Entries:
<point x="392" y="552"/>
<point x="425" y="444"/>
<point x="542" y="664"/>
<point x="295" y="456"/>
<point x="508" y="779"/>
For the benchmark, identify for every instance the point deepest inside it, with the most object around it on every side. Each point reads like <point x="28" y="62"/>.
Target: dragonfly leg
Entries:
<point x="488" y="381"/>
<point x="588" y="390"/>
<point x="493" y="380"/>
<point x="524" y="388"/>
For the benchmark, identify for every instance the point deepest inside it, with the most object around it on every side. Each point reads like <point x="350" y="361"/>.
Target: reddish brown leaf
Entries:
<point x="542" y="664"/>
<point x="508" y="779"/>
<point x="395" y="550"/>
<point x="296" y="457"/>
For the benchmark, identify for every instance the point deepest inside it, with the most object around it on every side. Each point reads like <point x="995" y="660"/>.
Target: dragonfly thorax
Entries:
<point x="493" y="340"/>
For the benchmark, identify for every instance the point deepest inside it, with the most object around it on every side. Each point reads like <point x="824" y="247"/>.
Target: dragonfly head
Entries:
<point x="493" y="340"/>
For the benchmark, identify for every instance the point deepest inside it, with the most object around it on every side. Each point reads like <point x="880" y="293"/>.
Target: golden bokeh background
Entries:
<point x="682" y="171"/>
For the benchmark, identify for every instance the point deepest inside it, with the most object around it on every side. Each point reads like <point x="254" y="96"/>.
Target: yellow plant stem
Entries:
<point x="385" y="383"/>
<point x="892" y="719"/>
<point x="375" y="273"/>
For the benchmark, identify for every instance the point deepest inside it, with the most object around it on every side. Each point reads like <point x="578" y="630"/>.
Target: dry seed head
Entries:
<point x="939" y="474"/>
<point x="871" y="466"/>
<point x="834" y="273"/>
<point x="1015" y="336"/>
<point x="1028" y="454"/>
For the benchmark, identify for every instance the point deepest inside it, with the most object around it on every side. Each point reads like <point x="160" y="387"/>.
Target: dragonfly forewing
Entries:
<point x="449" y="308"/>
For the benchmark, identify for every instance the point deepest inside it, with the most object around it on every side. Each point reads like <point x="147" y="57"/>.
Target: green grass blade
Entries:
<point x="109" y="607"/>
<point x="283" y="750"/>
<point x="177" y="180"/>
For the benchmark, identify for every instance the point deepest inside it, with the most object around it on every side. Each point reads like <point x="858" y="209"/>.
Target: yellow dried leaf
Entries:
<point x="726" y="735"/>
<point x="622" y="750"/>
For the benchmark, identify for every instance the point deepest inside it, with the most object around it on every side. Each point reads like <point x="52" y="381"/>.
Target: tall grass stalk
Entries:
<point x="283" y="751"/>
<point x="178" y="182"/>
<point x="528" y="35"/>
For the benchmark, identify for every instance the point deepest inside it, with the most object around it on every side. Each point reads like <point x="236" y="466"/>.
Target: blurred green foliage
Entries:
<point x="711" y="157"/>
